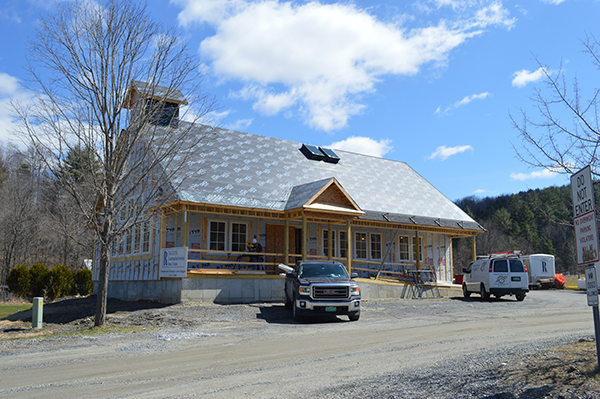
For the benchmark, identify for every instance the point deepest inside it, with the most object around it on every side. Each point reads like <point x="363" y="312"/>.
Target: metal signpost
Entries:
<point x="586" y="236"/>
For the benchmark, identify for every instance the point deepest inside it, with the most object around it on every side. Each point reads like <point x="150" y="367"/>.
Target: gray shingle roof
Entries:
<point x="247" y="170"/>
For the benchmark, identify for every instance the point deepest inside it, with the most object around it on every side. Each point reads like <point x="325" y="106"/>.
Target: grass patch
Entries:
<point x="7" y="310"/>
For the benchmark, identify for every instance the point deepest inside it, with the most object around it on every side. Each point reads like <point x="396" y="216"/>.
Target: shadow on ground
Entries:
<point x="69" y="310"/>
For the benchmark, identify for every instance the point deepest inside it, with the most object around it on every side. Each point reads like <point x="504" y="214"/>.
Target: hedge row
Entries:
<point x="58" y="282"/>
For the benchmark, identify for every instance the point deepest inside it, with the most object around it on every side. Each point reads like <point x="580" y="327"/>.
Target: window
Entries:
<point x="516" y="266"/>
<point x="375" y="246"/>
<point x="238" y="236"/>
<point x="501" y="266"/>
<point x="216" y="236"/>
<point x="343" y="244"/>
<point x="146" y="236"/>
<point x="403" y="245"/>
<point x="420" y="248"/>
<point x="136" y="237"/>
<point x="326" y="242"/>
<point x="360" y="245"/>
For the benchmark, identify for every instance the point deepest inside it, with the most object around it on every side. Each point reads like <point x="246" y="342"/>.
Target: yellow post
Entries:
<point x="418" y="250"/>
<point x="286" y="243"/>
<point x="474" y="250"/>
<point x="304" y="237"/>
<point x="184" y="228"/>
<point x="329" y="242"/>
<point x="349" y="246"/>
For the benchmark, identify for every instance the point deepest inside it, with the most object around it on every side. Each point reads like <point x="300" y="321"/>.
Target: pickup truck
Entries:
<point x="321" y="288"/>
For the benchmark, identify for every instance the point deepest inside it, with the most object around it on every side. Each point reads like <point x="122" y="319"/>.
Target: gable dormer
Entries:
<point x="154" y="104"/>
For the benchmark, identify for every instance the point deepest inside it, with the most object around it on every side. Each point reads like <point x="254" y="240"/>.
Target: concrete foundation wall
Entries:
<point x="163" y="291"/>
<point x="238" y="290"/>
<point x="233" y="290"/>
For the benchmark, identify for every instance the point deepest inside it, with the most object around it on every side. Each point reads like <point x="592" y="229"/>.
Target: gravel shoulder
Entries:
<point x="443" y="348"/>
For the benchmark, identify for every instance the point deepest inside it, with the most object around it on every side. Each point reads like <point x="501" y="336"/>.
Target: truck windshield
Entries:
<point x="323" y="270"/>
<point x="516" y="266"/>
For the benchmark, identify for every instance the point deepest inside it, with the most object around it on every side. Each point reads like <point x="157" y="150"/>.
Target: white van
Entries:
<point x="496" y="276"/>
<point x="541" y="270"/>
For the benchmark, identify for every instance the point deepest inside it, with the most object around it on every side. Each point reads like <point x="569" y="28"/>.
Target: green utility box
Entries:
<point x="37" y="312"/>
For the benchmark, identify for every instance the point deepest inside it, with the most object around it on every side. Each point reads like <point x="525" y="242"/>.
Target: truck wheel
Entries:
<point x="288" y="301"/>
<point x="354" y="317"/>
<point x="466" y="293"/>
<point x="484" y="294"/>
<point x="520" y="297"/>
<point x="295" y="313"/>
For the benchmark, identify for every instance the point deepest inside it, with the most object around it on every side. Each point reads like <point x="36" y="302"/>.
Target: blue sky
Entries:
<point x="429" y="83"/>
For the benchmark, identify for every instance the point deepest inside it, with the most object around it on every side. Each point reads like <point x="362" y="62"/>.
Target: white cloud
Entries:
<point x="464" y="101"/>
<point x="523" y="77"/>
<point x="10" y="91"/>
<point x="364" y="145"/>
<point x="479" y="191"/>
<point x="240" y="124"/>
<point x="444" y="152"/>
<point x="543" y="174"/>
<point x="317" y="60"/>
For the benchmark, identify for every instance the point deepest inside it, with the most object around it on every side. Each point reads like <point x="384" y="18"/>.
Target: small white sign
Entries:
<point x="591" y="285"/>
<point x="584" y="217"/>
<point x="173" y="262"/>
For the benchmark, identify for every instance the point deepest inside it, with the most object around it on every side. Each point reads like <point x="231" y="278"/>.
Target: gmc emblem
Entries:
<point x="328" y="291"/>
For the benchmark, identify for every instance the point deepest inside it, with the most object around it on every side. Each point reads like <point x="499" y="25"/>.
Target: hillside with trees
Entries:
<point x="535" y="221"/>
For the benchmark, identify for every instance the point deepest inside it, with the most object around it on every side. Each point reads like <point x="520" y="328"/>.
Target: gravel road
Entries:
<point x="429" y="348"/>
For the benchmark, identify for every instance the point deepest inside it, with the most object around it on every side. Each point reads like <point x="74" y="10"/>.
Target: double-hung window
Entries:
<point x="403" y="248"/>
<point x="375" y="243"/>
<point x="217" y="235"/>
<point x="360" y="245"/>
<point x="239" y="235"/>
<point x="326" y="243"/>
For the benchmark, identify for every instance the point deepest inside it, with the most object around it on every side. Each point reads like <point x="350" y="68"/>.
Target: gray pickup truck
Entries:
<point x="321" y="288"/>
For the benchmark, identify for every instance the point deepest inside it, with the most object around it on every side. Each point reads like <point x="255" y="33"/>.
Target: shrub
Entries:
<point x="39" y="280"/>
<point x="19" y="281"/>
<point x="60" y="282"/>
<point x="84" y="284"/>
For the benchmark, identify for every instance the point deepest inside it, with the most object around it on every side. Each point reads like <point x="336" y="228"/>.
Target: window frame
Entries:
<point x="363" y="242"/>
<point x="231" y="243"/>
<point x="209" y="235"/>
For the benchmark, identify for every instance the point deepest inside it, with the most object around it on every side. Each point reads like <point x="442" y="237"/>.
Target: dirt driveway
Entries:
<point x="442" y="348"/>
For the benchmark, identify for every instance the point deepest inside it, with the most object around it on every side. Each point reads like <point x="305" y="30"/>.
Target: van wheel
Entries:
<point x="484" y="294"/>
<point x="520" y="297"/>
<point x="466" y="293"/>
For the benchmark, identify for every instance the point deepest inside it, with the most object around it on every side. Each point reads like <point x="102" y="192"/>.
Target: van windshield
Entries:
<point x="516" y="266"/>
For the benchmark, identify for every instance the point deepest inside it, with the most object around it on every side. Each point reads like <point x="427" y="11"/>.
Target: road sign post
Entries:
<point x="586" y="237"/>
<point x="591" y="284"/>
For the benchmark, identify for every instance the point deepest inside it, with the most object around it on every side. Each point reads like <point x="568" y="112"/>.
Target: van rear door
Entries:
<point x="499" y="276"/>
<point x="518" y="276"/>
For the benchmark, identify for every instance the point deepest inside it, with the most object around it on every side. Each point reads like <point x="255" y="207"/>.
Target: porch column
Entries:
<point x="304" y="237"/>
<point x="349" y="246"/>
<point x="418" y="251"/>
<point x="329" y="242"/>
<point x="184" y="228"/>
<point x="286" y="243"/>
<point x="474" y="249"/>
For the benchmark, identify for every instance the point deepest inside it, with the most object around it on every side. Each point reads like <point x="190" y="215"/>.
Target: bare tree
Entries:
<point x="83" y="62"/>
<point x="564" y="136"/>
